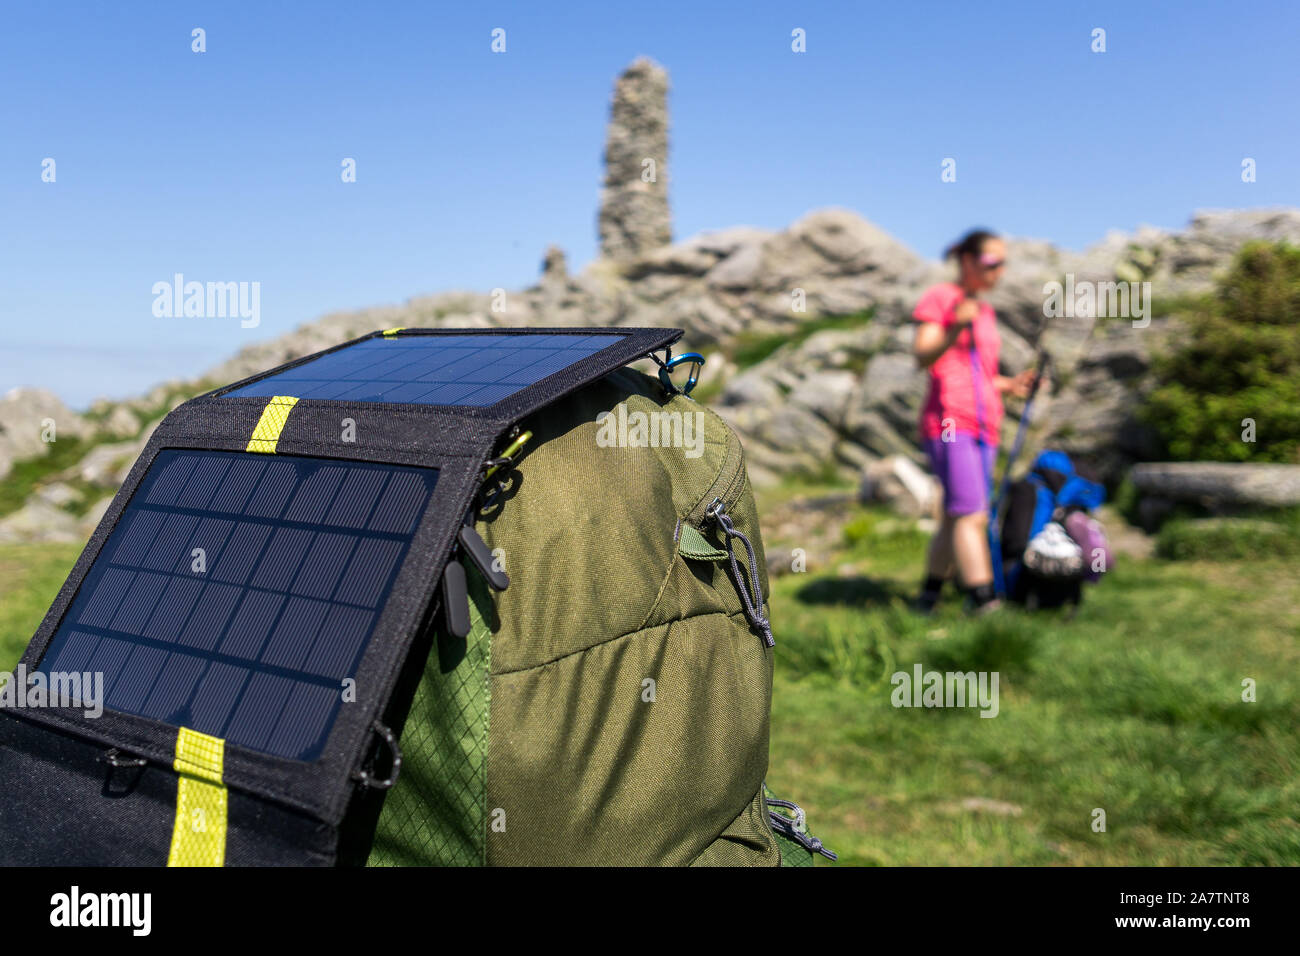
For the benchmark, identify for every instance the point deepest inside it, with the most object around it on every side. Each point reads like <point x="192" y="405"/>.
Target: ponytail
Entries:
<point x="969" y="244"/>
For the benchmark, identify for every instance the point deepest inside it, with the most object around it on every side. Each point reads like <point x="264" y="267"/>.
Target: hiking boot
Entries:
<point x="988" y="607"/>
<point x="925" y="603"/>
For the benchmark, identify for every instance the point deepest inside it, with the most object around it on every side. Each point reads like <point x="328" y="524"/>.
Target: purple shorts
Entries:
<point x="963" y="471"/>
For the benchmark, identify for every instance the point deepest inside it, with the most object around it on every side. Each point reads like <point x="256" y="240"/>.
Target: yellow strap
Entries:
<point x="392" y="333"/>
<point x="269" y="426"/>
<point x="199" y="833"/>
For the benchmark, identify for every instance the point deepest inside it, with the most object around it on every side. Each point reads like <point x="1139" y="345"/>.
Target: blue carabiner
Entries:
<point x="666" y="370"/>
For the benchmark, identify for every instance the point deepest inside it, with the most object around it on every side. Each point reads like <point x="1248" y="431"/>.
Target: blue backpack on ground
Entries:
<point x="1048" y="541"/>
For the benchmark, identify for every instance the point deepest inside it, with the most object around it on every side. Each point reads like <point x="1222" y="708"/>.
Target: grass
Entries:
<point x="30" y="577"/>
<point x="1262" y="535"/>
<point x="749" y="348"/>
<point x="1133" y="707"/>
<point x="28" y="473"/>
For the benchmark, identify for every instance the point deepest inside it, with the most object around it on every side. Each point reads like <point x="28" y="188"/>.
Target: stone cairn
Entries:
<point x="634" y="217"/>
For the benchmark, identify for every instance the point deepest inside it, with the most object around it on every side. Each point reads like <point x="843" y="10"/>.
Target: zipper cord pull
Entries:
<point x="754" y="607"/>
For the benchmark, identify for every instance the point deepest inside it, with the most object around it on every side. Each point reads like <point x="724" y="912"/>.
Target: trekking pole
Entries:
<point x="995" y="535"/>
<point x="977" y="376"/>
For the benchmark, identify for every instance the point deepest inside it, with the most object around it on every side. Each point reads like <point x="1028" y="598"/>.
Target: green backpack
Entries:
<point x="432" y="596"/>
<point x="612" y="705"/>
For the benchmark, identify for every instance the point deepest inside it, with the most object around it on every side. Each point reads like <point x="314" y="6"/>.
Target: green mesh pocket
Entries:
<point x="436" y="813"/>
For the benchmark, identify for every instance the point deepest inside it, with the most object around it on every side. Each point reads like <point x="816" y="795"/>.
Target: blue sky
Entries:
<point x="224" y="166"/>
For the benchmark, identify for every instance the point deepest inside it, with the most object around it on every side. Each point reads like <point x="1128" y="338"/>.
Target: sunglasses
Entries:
<point x="991" y="264"/>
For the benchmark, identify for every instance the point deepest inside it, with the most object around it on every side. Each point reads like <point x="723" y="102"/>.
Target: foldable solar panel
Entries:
<point x="237" y="592"/>
<point x="252" y="593"/>
<point x="467" y="370"/>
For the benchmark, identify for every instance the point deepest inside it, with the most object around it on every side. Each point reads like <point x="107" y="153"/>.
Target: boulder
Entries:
<point x="121" y="422"/>
<point x="26" y="415"/>
<point x="58" y="494"/>
<point x="899" y="483"/>
<point x="39" y="521"/>
<point x="1215" y="484"/>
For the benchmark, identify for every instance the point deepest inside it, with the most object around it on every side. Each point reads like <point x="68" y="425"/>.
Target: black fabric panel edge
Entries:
<point x="136" y="804"/>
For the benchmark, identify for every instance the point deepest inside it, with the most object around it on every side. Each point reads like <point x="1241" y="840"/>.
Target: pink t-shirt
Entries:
<point x="951" y="395"/>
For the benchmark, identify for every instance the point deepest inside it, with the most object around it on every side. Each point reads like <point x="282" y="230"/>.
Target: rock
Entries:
<point x="39" y="521"/>
<point x="743" y="269"/>
<point x="1094" y="416"/>
<point x="826" y="394"/>
<point x="751" y="390"/>
<point x="998" y="808"/>
<point x="107" y="466"/>
<point x="688" y="258"/>
<point x="896" y="481"/>
<point x="1220" y="484"/>
<point x="555" y="270"/>
<point x="103" y="464"/>
<point x="58" y="494"/>
<point x="27" y="417"/>
<point x="725" y="242"/>
<point x="884" y="416"/>
<point x="634" y="217"/>
<point x="780" y="562"/>
<point x="121" y="422"/>
<point x="842" y="263"/>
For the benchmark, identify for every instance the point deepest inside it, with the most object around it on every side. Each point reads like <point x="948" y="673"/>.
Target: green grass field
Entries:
<point x="1134" y="707"/>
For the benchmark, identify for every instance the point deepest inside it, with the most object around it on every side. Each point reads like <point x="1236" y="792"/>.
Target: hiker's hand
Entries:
<point x="1019" y="385"/>
<point x="965" y="312"/>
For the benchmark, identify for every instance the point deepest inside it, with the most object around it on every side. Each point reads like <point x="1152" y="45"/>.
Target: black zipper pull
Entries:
<point x="477" y="550"/>
<point x="455" y="599"/>
<point x="753" y="606"/>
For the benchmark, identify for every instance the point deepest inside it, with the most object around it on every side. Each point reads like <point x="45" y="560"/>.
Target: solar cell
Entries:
<point x="252" y="642"/>
<point x="474" y="370"/>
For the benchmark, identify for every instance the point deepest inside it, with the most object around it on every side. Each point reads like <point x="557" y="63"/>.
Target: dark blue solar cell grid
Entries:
<point x="301" y="554"/>
<point x="475" y="370"/>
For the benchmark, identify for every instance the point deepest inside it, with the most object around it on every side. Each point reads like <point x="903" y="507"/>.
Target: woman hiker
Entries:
<point x="962" y="414"/>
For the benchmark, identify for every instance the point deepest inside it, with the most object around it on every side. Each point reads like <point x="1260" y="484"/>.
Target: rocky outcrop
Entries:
<point x="832" y="400"/>
<point x="900" y="484"/>
<point x="1218" y="485"/>
<point x="634" y="217"/>
<point x="30" y="420"/>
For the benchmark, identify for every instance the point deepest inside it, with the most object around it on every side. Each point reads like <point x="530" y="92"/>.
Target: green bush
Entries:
<point x="1240" y="361"/>
<point x="1229" y="539"/>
